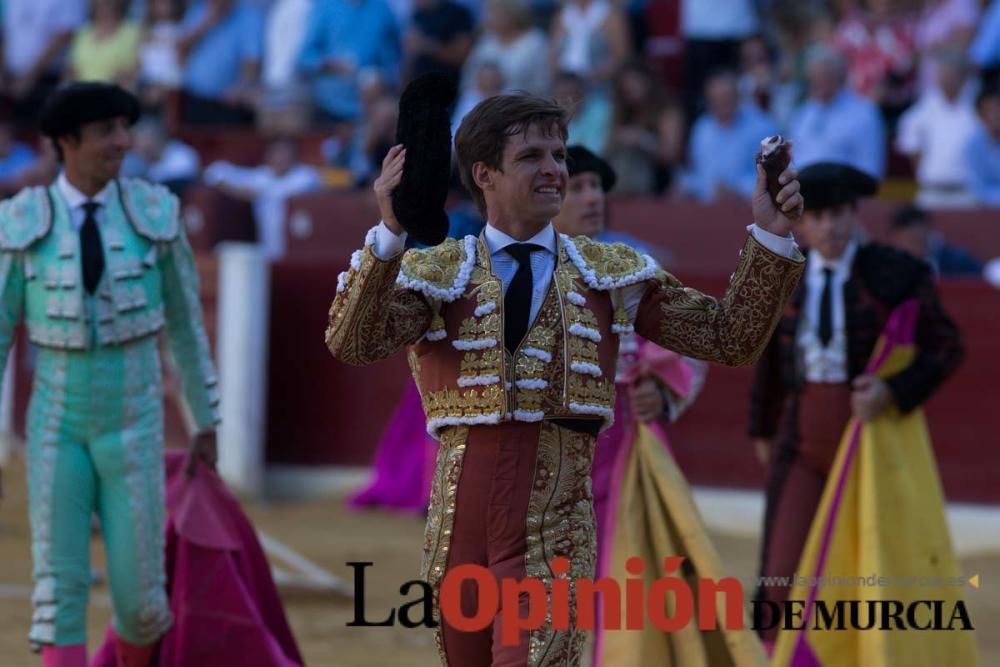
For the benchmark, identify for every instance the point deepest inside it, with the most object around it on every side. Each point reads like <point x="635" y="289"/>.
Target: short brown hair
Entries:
<point x="483" y="133"/>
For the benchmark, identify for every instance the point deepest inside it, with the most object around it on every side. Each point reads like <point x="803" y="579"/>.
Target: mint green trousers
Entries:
<point x="95" y="444"/>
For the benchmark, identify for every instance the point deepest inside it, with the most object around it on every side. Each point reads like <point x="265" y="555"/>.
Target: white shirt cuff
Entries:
<point x="387" y="244"/>
<point x="779" y="245"/>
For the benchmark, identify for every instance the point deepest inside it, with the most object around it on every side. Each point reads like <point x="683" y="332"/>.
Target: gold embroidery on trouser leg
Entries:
<point x="560" y="523"/>
<point x="441" y="516"/>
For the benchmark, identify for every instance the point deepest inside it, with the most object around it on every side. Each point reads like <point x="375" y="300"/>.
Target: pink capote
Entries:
<point x="225" y="605"/>
<point x="404" y="461"/>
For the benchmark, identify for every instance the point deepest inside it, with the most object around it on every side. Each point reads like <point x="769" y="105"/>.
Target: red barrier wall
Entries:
<point x="322" y="411"/>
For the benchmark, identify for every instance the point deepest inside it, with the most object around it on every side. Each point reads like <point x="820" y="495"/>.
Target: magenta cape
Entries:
<point x="404" y="461"/>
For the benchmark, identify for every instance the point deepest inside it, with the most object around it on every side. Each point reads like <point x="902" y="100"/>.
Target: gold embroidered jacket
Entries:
<point x="447" y="303"/>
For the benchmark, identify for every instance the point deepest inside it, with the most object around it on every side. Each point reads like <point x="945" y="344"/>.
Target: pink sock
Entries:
<point x="64" y="656"/>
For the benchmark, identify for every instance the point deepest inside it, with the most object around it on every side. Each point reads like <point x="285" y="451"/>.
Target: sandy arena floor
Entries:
<point x="329" y="536"/>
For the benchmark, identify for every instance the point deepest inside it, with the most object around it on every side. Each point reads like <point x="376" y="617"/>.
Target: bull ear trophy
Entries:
<point x="775" y="155"/>
<point x="424" y="128"/>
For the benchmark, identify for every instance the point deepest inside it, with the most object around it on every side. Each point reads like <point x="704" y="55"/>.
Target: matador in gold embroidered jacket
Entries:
<point x="548" y="398"/>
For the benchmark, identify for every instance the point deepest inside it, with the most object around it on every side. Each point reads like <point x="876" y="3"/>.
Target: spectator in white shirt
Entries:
<point x="159" y="58"/>
<point x="590" y="38"/>
<point x="511" y="41"/>
<point x="268" y="187"/>
<point x="284" y="31"/>
<point x="935" y="131"/>
<point x="284" y="103"/>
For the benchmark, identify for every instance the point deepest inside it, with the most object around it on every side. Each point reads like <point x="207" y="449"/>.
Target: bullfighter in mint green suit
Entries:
<point x="95" y="279"/>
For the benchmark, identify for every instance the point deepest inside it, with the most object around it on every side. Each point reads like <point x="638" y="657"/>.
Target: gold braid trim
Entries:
<point x="371" y="318"/>
<point x="441" y="518"/>
<point x="732" y="331"/>
<point x="560" y="523"/>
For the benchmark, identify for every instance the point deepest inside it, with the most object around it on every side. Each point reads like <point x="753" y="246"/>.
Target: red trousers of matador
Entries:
<point x="510" y="498"/>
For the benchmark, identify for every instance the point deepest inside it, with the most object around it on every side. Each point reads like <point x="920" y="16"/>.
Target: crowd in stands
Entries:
<point x="676" y="94"/>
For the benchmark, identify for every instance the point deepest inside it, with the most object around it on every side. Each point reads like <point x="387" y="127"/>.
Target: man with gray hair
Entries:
<point x="835" y="124"/>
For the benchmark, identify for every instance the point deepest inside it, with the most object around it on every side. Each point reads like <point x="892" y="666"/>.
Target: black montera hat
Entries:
<point x="73" y="105"/>
<point x="580" y="160"/>
<point x="424" y="128"/>
<point x="829" y="184"/>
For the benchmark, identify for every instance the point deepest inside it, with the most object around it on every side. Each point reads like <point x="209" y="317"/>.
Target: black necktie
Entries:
<point x="826" y="308"/>
<point x="91" y="249"/>
<point x="517" y="301"/>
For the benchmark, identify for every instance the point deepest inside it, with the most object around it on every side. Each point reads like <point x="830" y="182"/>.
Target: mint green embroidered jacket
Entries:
<point x="149" y="282"/>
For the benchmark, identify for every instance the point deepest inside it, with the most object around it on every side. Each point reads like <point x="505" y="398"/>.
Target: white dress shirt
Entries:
<point x="76" y="199"/>
<point x="829" y="363"/>
<point x="542" y="262"/>
<point x="388" y="245"/>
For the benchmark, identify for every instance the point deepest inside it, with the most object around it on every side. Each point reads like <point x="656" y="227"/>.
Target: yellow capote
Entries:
<point x="889" y="522"/>
<point x="655" y="518"/>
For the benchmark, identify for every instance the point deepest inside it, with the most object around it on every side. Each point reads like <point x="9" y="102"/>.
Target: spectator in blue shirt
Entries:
<point x="835" y="124"/>
<point x="345" y="38"/>
<point x="221" y="51"/>
<point x="985" y="48"/>
<point x="15" y="157"/>
<point x="724" y="141"/>
<point x="983" y="149"/>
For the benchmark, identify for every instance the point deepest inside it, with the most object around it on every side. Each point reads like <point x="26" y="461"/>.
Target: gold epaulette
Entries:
<point x="441" y="273"/>
<point x="607" y="266"/>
